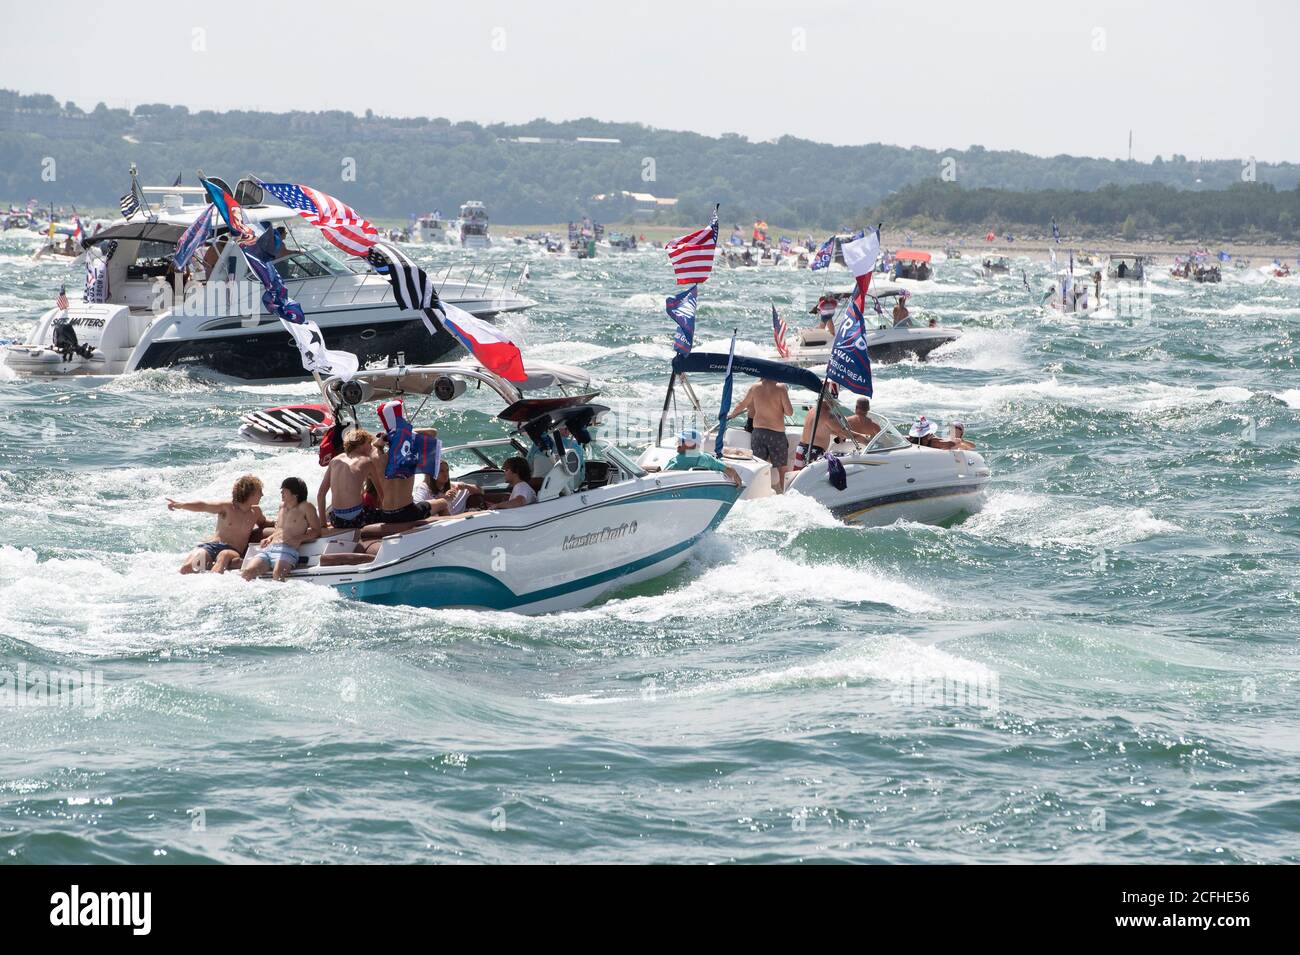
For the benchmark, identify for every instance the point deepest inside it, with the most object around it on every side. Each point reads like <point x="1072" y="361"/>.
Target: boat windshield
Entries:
<point x="887" y="437"/>
<point x="598" y="450"/>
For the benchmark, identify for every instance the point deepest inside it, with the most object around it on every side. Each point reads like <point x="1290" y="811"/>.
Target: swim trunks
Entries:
<point x="771" y="446"/>
<point x="415" y="511"/>
<point x="213" y="548"/>
<point x="358" y="516"/>
<point x="281" y="552"/>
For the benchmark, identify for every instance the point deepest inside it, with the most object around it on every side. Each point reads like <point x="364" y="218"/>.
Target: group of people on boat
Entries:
<point x="361" y="491"/>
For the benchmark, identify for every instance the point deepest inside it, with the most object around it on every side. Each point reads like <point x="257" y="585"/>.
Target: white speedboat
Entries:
<point x="471" y="229"/>
<point x="216" y="323"/>
<point x="1073" y="294"/>
<point x="601" y="522"/>
<point x="911" y="338"/>
<point x="887" y="480"/>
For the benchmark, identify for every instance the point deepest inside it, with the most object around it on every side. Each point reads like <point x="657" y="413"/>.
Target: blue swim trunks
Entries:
<point x="278" y="552"/>
<point x="213" y="548"/>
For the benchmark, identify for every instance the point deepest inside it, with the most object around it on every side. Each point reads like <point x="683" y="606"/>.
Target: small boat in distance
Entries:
<point x="429" y="229"/>
<point x="471" y="229"/>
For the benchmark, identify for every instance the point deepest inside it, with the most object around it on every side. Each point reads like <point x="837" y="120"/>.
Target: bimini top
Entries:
<point x="716" y="364"/>
<point x="912" y="255"/>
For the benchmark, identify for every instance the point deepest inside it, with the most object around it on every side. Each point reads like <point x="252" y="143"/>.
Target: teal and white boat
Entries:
<point x="601" y="521"/>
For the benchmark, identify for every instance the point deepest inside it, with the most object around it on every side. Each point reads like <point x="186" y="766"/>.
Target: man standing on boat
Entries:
<point x="769" y="403"/>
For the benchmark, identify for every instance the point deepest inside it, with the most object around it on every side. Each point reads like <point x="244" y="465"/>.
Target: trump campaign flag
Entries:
<point x="850" y="363"/>
<point x="681" y="309"/>
<point x="825" y="254"/>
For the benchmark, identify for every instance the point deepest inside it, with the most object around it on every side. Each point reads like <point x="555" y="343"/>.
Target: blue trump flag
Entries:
<point x="725" y="409"/>
<point x="681" y="308"/>
<point x="825" y="252"/>
<point x="850" y="364"/>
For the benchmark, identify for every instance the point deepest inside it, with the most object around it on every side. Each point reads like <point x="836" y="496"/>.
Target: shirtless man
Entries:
<point x="344" y="480"/>
<point x="860" y="422"/>
<point x="399" y="511"/>
<point x="811" y="448"/>
<point x="901" y="314"/>
<point x="296" y="524"/>
<point x="236" y="521"/>
<point x="769" y="403"/>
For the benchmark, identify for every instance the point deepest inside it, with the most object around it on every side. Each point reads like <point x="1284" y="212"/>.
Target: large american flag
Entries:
<point x="337" y="220"/>
<point x="692" y="255"/>
<point x="779" y="329"/>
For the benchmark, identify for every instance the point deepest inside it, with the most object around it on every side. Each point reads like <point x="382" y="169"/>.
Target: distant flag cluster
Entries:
<point x="692" y="254"/>
<point x="339" y="223"/>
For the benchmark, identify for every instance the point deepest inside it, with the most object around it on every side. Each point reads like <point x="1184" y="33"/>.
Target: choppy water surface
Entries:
<point x="1100" y="666"/>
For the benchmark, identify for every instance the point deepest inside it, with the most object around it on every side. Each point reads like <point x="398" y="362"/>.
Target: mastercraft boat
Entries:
<point x="151" y="318"/>
<point x="887" y="480"/>
<point x="600" y="522"/>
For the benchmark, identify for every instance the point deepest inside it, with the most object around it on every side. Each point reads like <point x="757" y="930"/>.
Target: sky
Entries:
<point x="1204" y="79"/>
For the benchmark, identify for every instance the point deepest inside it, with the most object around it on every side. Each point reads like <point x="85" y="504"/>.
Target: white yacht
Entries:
<point x="471" y="229"/>
<point x="217" y="324"/>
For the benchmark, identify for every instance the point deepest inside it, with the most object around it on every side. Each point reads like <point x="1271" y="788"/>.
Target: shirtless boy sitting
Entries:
<point x="236" y="521"/>
<point x="296" y="524"/>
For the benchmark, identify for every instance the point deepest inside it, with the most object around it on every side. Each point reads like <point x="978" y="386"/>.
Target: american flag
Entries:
<point x="692" y="255"/>
<point x="61" y="302"/>
<point x="778" y="333"/>
<point x="337" y="220"/>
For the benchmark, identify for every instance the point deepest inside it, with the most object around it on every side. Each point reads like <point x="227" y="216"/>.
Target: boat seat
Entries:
<point x="597" y="474"/>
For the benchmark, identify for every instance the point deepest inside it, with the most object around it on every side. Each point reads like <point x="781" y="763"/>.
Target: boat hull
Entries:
<point x="553" y="555"/>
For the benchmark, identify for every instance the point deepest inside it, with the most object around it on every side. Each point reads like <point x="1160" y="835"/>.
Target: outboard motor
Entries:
<point x="66" y="344"/>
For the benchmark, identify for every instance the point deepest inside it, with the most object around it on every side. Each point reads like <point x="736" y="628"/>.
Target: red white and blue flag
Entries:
<point x="779" y="328"/>
<point x="414" y="291"/>
<point x="692" y="255"/>
<point x="230" y="210"/>
<point x="337" y="220"/>
<point x="825" y="254"/>
<point x="62" y="301"/>
<point x="681" y="309"/>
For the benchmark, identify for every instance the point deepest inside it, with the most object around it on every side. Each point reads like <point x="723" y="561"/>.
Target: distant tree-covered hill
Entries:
<point x="1241" y="211"/>
<point x="416" y="165"/>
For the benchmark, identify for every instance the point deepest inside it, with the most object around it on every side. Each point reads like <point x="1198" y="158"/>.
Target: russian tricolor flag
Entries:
<point x="494" y="351"/>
